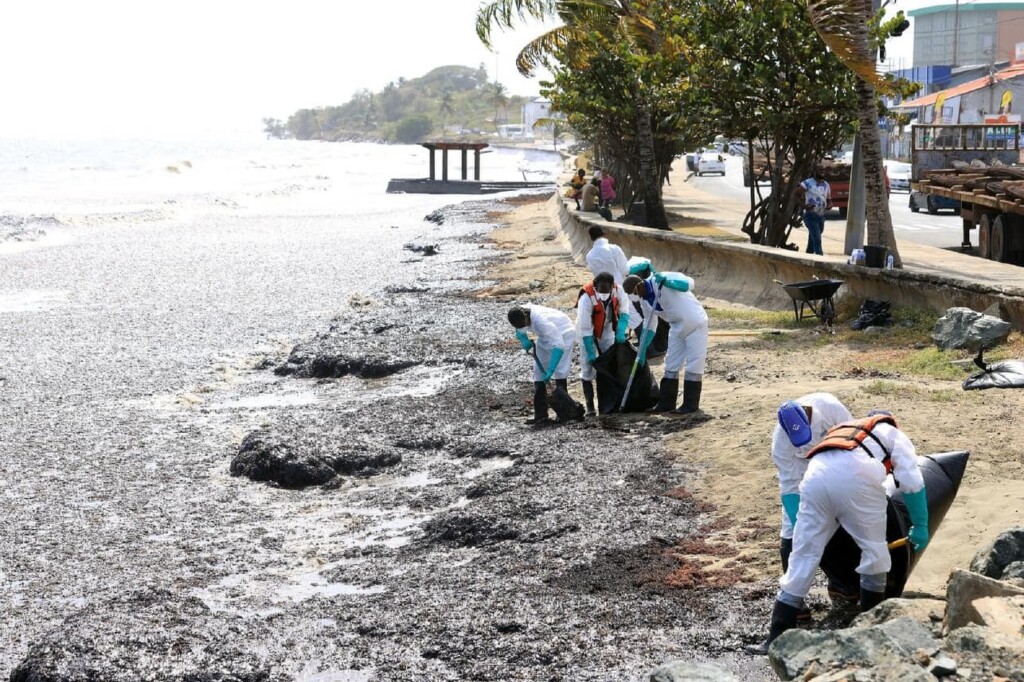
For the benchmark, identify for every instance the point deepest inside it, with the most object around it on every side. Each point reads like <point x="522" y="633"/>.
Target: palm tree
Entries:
<point x="623" y="20"/>
<point x="844" y="26"/>
<point x="499" y="96"/>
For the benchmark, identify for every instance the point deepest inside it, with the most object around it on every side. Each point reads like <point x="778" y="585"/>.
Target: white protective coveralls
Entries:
<point x="791" y="461"/>
<point x="605" y="338"/>
<point x="552" y="329"/>
<point x="607" y="257"/>
<point x="688" y="327"/>
<point x="847" y="487"/>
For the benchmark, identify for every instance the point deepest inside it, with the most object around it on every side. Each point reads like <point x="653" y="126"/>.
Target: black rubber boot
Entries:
<point x="869" y="599"/>
<point x="691" y="397"/>
<point x="784" y="618"/>
<point x="785" y="549"/>
<point x="562" y="384"/>
<point x="540" y="403"/>
<point x="668" y="391"/>
<point x="588" y="396"/>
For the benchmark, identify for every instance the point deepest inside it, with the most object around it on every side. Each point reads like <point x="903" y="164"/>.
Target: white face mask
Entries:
<point x="635" y="298"/>
<point x="603" y="297"/>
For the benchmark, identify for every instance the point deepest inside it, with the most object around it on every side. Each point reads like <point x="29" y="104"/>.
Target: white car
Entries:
<point x="899" y="175"/>
<point x="710" y="161"/>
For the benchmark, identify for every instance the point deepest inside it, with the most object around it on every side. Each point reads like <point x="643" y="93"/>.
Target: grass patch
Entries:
<point x="733" y="318"/>
<point x="896" y="391"/>
<point x="910" y="326"/>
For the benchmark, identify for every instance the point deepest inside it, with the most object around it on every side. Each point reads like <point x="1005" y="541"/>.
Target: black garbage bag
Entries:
<point x="567" y="409"/>
<point x="873" y="314"/>
<point x="1005" y="374"/>
<point x="613" y="368"/>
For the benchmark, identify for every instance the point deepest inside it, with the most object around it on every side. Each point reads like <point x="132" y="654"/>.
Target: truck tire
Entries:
<point x="914" y="208"/>
<point x="999" y="243"/>
<point x="933" y="204"/>
<point x="984" y="236"/>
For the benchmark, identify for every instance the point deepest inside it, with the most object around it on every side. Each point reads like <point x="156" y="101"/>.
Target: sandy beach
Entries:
<point x="727" y="458"/>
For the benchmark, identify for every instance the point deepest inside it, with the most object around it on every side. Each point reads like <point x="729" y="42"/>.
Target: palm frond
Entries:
<point x="843" y="26"/>
<point x="504" y="14"/>
<point x="538" y="50"/>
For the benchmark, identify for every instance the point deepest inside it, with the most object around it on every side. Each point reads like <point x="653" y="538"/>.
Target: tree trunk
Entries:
<point x="879" y="220"/>
<point x="649" y="176"/>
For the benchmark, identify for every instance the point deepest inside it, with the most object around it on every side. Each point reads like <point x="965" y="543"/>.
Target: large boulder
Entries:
<point x="966" y="328"/>
<point x="962" y="591"/>
<point x="888" y="645"/>
<point x="690" y="671"/>
<point x="987" y="651"/>
<point x="993" y="560"/>
<point x="147" y="635"/>
<point x="927" y="612"/>
<point x="1005" y="614"/>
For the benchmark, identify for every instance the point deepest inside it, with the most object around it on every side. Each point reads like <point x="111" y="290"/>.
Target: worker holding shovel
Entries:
<point x="667" y="296"/>
<point x="555" y="338"/>
<point x="602" y="320"/>
<point x="845" y="485"/>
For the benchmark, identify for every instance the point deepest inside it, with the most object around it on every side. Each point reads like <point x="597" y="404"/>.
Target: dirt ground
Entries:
<point x="749" y="372"/>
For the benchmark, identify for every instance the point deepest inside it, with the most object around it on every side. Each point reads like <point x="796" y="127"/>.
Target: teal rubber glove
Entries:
<point x="622" y="328"/>
<point x="556" y="357"/>
<point x="591" y="349"/>
<point x="641" y="354"/>
<point x="524" y="340"/>
<point x="676" y="283"/>
<point x="917" y="505"/>
<point x="791" y="503"/>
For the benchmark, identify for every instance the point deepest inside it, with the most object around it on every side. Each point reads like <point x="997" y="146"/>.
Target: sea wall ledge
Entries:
<point x="744" y="273"/>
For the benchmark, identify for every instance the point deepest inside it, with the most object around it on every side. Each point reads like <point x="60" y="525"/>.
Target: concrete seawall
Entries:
<point x="744" y="273"/>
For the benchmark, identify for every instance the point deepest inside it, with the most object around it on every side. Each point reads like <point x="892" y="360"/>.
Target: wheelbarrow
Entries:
<point x="815" y="296"/>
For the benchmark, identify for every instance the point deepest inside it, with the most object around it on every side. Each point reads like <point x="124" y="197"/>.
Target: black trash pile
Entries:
<point x="873" y="314"/>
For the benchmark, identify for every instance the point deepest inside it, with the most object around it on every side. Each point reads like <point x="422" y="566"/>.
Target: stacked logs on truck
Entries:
<point x="996" y="180"/>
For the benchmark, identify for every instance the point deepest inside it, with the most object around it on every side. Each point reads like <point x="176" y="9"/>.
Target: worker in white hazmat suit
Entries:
<point x="801" y="424"/>
<point x="555" y="337"/>
<point x="845" y="485"/>
<point x="606" y="257"/>
<point x="667" y="296"/>
<point x="602" y="320"/>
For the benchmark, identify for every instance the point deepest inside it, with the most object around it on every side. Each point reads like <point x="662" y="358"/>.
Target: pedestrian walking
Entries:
<point x="816" y="196"/>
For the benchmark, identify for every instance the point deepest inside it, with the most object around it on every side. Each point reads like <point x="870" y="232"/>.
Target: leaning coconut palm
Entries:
<point x="845" y="26"/>
<point x="621" y="20"/>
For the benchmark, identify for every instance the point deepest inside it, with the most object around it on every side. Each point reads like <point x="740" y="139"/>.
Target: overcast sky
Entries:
<point x="189" y="67"/>
<point x="149" y="67"/>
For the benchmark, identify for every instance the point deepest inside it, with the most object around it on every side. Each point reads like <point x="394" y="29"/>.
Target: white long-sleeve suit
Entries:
<point x="791" y="461"/>
<point x="552" y="329"/>
<point x="847" y="487"/>
<point x="605" y="337"/>
<point x="606" y="257"/>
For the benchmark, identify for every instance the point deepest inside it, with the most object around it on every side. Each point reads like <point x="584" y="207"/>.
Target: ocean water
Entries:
<point x="139" y="283"/>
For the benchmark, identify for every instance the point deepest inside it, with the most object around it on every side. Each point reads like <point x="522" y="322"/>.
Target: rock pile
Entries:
<point x="976" y="633"/>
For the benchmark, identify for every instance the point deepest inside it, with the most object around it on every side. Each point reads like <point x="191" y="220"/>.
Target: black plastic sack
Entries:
<point x="872" y="314"/>
<point x="1005" y="374"/>
<point x="613" y="368"/>
<point x="567" y="409"/>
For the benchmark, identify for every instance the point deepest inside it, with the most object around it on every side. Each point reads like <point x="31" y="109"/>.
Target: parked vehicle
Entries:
<point x="932" y="202"/>
<point x="710" y="161"/>
<point x="899" y="176"/>
<point x="974" y="166"/>
<point x="837" y="173"/>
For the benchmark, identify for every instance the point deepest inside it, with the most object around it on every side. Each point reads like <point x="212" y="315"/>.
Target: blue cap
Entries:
<point x="793" y="420"/>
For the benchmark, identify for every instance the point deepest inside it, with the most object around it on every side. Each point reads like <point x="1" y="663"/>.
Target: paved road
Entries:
<point x="943" y="230"/>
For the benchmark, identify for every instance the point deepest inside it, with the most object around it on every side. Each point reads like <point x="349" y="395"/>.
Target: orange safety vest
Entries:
<point x="852" y="434"/>
<point x="599" y="308"/>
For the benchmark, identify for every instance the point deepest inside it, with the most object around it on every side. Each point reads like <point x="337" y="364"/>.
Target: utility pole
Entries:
<point x="956" y="31"/>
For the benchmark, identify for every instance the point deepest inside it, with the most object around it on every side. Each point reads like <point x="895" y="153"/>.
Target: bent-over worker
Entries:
<point x="606" y="257"/>
<point x="668" y="296"/>
<point x="555" y="336"/>
<point x="845" y="485"/>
